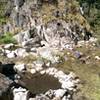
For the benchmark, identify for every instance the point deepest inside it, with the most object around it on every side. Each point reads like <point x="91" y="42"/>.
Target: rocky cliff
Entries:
<point x="46" y="20"/>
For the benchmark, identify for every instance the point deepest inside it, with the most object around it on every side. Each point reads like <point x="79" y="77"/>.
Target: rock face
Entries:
<point x="4" y="85"/>
<point x="56" y="32"/>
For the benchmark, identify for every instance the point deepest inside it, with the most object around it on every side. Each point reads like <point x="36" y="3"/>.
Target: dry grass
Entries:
<point x="89" y="74"/>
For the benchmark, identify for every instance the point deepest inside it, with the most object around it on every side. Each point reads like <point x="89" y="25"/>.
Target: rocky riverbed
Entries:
<point x="39" y="78"/>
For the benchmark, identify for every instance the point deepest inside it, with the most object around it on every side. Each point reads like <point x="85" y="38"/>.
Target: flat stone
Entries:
<point x="8" y="46"/>
<point x="59" y="93"/>
<point x="20" y="67"/>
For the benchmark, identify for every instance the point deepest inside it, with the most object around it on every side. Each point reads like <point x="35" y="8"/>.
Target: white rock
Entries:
<point x="38" y="68"/>
<point x="33" y="71"/>
<point x="24" y="43"/>
<point x="47" y="71"/>
<point x="69" y="96"/>
<point x="45" y="43"/>
<point x="42" y="72"/>
<point x="59" y="74"/>
<point x="81" y="43"/>
<point x="76" y="81"/>
<point x="20" y="67"/>
<point x="20" y="94"/>
<point x="38" y="63"/>
<point x="56" y="59"/>
<point x="17" y="76"/>
<point x="48" y="64"/>
<point x="97" y="57"/>
<point x="52" y="71"/>
<point x="7" y="51"/>
<point x="48" y="54"/>
<point x="67" y="85"/>
<point x="50" y="93"/>
<point x="72" y="75"/>
<point x="8" y="46"/>
<point x="25" y="54"/>
<point x="92" y="39"/>
<point x="64" y="98"/>
<point x="45" y="53"/>
<point x="20" y="52"/>
<point x="59" y="92"/>
<point x="81" y="10"/>
<point x="11" y="55"/>
<point x="32" y="98"/>
<point x="33" y="50"/>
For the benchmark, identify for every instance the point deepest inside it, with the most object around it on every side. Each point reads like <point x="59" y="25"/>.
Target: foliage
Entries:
<point x="2" y="20"/>
<point x="93" y="14"/>
<point x="7" y="38"/>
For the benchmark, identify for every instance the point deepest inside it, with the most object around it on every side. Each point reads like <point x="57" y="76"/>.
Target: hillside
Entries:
<point x="50" y="49"/>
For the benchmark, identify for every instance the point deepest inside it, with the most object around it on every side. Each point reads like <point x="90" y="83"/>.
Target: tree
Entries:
<point x="90" y="4"/>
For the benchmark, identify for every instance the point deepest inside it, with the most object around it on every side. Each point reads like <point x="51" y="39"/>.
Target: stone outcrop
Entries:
<point x="32" y="30"/>
<point x="4" y="85"/>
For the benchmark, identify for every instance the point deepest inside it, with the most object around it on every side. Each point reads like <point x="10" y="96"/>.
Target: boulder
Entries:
<point x="97" y="58"/>
<point x="20" y="94"/>
<point x="68" y="85"/>
<point x="20" y="52"/>
<point x="11" y="55"/>
<point x="33" y="71"/>
<point x="4" y="84"/>
<point x="20" y="67"/>
<point x="93" y="40"/>
<point x="60" y="93"/>
<point x="8" y="46"/>
<point x="48" y="54"/>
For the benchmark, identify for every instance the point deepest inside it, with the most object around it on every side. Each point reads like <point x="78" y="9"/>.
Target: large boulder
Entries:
<point x="48" y="54"/>
<point x="20" y="94"/>
<point x="4" y="85"/>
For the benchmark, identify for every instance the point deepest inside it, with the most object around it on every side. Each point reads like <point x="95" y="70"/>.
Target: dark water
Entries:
<point x="7" y="70"/>
<point x="40" y="83"/>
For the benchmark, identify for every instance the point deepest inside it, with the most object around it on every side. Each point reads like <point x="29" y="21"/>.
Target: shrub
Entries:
<point x="7" y="38"/>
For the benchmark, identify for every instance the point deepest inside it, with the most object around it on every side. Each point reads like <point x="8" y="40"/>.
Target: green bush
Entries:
<point x="7" y="38"/>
